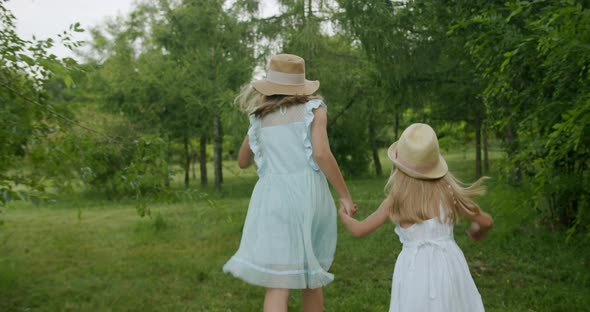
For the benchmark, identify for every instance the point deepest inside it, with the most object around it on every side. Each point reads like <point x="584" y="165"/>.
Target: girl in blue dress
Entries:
<point x="289" y="235"/>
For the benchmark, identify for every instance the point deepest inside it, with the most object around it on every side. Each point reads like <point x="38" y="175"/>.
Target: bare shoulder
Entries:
<point x="320" y="110"/>
<point x="320" y="116"/>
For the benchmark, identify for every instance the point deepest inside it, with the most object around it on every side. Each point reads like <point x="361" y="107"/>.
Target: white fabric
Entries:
<point x="431" y="273"/>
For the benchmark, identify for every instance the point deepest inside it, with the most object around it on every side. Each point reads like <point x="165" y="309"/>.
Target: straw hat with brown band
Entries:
<point x="417" y="153"/>
<point x="286" y="75"/>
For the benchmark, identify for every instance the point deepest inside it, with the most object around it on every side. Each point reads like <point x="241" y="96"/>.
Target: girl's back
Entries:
<point x="289" y="235"/>
<point x="429" y="230"/>
<point x="430" y="257"/>
<point x="281" y="142"/>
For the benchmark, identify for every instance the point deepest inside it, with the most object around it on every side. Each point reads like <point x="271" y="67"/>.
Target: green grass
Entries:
<point x="88" y="254"/>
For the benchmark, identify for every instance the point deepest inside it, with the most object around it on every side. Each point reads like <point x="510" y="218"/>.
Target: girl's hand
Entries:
<point x="480" y="226"/>
<point x="475" y="232"/>
<point x="349" y="207"/>
<point x="245" y="155"/>
<point x="368" y="225"/>
<point x="344" y="217"/>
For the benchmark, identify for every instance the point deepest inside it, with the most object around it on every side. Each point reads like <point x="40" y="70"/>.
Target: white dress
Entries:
<point x="431" y="273"/>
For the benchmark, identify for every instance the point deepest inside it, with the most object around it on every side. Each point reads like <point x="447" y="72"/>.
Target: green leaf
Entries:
<point x="504" y="64"/>
<point x="27" y="59"/>
<point x="514" y="13"/>
<point x="68" y="81"/>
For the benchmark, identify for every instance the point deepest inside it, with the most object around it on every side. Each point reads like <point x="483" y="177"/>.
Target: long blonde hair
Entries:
<point x="255" y="103"/>
<point x="415" y="200"/>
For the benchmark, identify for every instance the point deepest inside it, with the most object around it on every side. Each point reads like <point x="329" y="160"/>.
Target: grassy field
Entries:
<point x="88" y="254"/>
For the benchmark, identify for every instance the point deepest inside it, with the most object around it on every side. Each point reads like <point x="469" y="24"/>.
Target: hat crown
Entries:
<point x="417" y="153"/>
<point x="287" y="63"/>
<point x="285" y="75"/>
<point x="418" y="146"/>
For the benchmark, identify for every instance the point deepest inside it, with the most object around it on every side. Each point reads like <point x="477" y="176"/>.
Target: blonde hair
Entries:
<point x="255" y="103"/>
<point x="415" y="200"/>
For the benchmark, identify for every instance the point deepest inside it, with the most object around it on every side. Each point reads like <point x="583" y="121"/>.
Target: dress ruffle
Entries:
<point x="309" y="107"/>
<point x="260" y="276"/>
<point x="253" y="139"/>
<point x="289" y="235"/>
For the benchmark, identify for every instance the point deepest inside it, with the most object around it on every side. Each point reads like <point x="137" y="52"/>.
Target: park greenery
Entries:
<point x="144" y="122"/>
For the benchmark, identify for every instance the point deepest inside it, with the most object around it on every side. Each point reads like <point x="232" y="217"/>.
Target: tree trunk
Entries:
<point x="477" y="147"/>
<point x="203" y="159"/>
<point x="194" y="157"/>
<point x="217" y="134"/>
<point x="187" y="163"/>
<point x="168" y="162"/>
<point x="303" y="14"/>
<point x="486" y="159"/>
<point x="217" y="150"/>
<point x="374" y="149"/>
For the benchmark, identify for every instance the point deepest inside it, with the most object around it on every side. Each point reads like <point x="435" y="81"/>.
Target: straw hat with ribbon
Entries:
<point x="417" y="154"/>
<point x="286" y="75"/>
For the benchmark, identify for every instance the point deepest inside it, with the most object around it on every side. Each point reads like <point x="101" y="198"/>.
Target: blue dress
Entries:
<point x="289" y="235"/>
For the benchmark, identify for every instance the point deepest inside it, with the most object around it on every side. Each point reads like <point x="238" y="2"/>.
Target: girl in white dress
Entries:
<point x="425" y="201"/>
<point x="289" y="234"/>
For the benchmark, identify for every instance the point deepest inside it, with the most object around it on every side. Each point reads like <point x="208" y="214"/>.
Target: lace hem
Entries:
<point x="294" y="279"/>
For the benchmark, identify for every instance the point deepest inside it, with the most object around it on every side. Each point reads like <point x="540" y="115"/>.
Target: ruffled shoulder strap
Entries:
<point x="309" y="107"/>
<point x="254" y="140"/>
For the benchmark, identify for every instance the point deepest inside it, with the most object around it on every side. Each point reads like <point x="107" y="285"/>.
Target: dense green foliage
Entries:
<point x="520" y="70"/>
<point x="155" y="92"/>
<point x="538" y="89"/>
<point x="26" y="113"/>
<point x="174" y="69"/>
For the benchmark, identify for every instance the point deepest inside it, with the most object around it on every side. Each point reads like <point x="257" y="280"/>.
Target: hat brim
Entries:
<point x="437" y="172"/>
<point x="269" y="88"/>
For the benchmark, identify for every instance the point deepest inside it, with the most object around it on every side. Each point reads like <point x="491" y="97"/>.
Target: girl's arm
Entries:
<point x="370" y="224"/>
<point x="325" y="159"/>
<point x="245" y="156"/>
<point x="481" y="224"/>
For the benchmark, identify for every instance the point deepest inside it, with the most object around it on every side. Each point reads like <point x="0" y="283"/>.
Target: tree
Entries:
<point x="177" y="66"/>
<point x="534" y="59"/>
<point x="421" y="66"/>
<point x="26" y="113"/>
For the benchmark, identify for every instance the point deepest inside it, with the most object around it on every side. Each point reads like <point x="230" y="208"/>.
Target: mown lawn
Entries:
<point x="88" y="254"/>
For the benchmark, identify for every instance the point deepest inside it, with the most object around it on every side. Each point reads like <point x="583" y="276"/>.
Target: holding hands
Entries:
<point x="348" y="207"/>
<point x="361" y="228"/>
